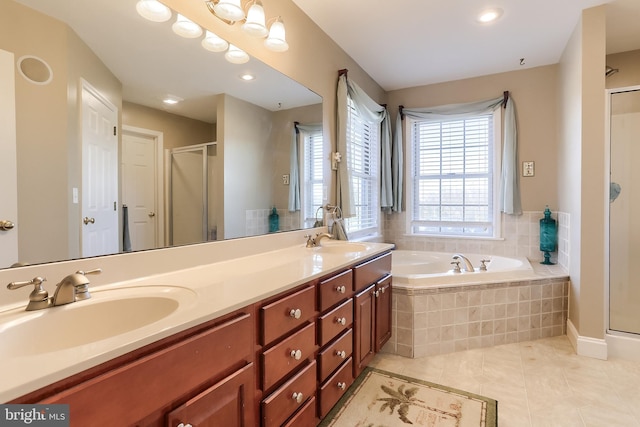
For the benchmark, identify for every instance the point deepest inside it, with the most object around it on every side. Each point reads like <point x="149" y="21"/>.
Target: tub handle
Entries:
<point x="483" y="266"/>
<point x="456" y="266"/>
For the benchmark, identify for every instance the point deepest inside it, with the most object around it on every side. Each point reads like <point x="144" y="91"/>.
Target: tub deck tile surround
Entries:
<point x="430" y="321"/>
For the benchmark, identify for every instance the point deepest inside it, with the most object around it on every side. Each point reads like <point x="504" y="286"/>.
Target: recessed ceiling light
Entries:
<point x="489" y="15"/>
<point x="172" y="99"/>
<point x="247" y="77"/>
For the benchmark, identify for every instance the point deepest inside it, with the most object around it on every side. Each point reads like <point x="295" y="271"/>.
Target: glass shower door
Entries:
<point x="624" y="211"/>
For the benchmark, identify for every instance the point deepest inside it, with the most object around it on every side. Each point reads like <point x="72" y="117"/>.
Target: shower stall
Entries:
<point x="192" y="194"/>
<point x="624" y="211"/>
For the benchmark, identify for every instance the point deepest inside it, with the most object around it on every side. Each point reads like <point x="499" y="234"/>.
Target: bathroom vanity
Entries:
<point x="275" y="339"/>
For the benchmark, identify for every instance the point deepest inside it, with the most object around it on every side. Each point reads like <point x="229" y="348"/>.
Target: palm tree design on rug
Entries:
<point x="404" y="399"/>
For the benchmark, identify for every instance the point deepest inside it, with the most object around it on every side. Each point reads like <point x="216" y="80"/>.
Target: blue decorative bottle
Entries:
<point x="548" y="236"/>
<point x="274" y="220"/>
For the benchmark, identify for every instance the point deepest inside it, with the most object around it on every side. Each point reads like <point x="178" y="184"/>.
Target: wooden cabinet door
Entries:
<point x="364" y="326"/>
<point x="383" y="312"/>
<point x="228" y="403"/>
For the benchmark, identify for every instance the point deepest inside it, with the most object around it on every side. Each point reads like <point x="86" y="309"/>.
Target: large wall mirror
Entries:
<point x="93" y="135"/>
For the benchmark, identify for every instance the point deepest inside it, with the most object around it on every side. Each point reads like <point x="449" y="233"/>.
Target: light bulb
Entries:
<point x="153" y="10"/>
<point x="186" y="28"/>
<point x="276" y="40"/>
<point x="254" y="25"/>
<point x="235" y="55"/>
<point x="214" y="43"/>
<point x="229" y="9"/>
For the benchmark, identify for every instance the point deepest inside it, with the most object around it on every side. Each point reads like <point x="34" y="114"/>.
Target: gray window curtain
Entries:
<point x="509" y="199"/>
<point x="297" y="138"/>
<point x="373" y="112"/>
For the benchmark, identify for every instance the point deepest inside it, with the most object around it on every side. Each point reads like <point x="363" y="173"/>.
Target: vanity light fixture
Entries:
<point x="235" y="55"/>
<point x="253" y="22"/>
<point x="186" y="28"/>
<point x="489" y="15"/>
<point x="153" y="10"/>
<point x="214" y="43"/>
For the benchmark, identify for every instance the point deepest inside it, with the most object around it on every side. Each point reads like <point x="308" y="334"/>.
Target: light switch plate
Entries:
<point x="528" y="168"/>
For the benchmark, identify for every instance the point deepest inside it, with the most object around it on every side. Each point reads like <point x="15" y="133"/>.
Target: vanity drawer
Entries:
<point x="286" y="400"/>
<point x="305" y="417"/>
<point x="333" y="290"/>
<point x="335" y="321"/>
<point x="336" y="353"/>
<point x="283" y="358"/>
<point x="333" y="389"/>
<point x="287" y="313"/>
<point x="135" y="390"/>
<point x="371" y="271"/>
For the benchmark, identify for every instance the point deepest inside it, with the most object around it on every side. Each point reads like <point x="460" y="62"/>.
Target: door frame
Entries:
<point x="158" y="140"/>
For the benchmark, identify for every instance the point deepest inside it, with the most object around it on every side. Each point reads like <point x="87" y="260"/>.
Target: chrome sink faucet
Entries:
<point x="315" y="241"/>
<point x="74" y="287"/>
<point x="467" y="264"/>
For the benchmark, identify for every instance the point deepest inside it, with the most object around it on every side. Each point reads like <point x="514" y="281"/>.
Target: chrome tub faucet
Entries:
<point x="467" y="264"/>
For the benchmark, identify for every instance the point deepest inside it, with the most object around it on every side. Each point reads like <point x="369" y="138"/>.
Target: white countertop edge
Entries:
<point x="283" y="269"/>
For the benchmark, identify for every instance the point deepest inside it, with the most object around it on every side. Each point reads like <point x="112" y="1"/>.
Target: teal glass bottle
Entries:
<point x="548" y="236"/>
<point x="274" y="220"/>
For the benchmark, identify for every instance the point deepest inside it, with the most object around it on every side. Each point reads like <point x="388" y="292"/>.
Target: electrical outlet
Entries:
<point x="528" y="169"/>
<point x="285" y="179"/>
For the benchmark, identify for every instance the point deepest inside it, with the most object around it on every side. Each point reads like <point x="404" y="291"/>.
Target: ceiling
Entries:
<point x="152" y="62"/>
<point x="416" y="42"/>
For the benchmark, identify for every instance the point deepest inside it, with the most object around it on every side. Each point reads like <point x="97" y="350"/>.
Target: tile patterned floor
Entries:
<point x="537" y="383"/>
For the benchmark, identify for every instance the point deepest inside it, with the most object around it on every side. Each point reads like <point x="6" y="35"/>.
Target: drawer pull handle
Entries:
<point x="341" y="289"/>
<point x="341" y="354"/>
<point x="184" y="425"/>
<point x="342" y="386"/>
<point x="296" y="313"/>
<point x="297" y="397"/>
<point x="341" y="320"/>
<point x="296" y="354"/>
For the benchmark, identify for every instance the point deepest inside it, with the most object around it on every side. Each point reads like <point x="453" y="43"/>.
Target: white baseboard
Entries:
<point x="623" y="347"/>
<point x="586" y="346"/>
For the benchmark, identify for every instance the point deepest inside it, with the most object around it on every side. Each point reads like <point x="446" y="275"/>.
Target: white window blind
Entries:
<point x="453" y="177"/>
<point x="363" y="153"/>
<point x="312" y="176"/>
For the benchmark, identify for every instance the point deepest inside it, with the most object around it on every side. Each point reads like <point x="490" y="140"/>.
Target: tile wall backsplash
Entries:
<point x="521" y="237"/>
<point x="430" y="321"/>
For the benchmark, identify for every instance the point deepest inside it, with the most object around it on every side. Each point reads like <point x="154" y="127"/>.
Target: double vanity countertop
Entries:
<point x="44" y="346"/>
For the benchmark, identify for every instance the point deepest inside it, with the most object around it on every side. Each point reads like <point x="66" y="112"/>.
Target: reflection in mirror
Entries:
<point x="111" y="70"/>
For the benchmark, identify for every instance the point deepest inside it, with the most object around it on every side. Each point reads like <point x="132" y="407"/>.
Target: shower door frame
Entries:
<point x="607" y="226"/>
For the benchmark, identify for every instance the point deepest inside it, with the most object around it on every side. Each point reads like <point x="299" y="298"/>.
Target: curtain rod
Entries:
<point x="506" y="98"/>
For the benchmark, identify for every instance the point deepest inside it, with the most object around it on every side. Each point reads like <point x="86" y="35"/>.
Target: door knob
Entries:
<point x="6" y="225"/>
<point x="88" y="220"/>
<point x="152" y="214"/>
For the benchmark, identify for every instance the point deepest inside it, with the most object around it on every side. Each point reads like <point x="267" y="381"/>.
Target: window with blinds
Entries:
<point x="363" y="153"/>
<point x="312" y="177"/>
<point x="453" y="177"/>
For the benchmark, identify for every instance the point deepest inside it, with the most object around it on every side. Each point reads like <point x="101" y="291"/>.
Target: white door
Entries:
<point x="99" y="221"/>
<point x="8" y="171"/>
<point x="141" y="184"/>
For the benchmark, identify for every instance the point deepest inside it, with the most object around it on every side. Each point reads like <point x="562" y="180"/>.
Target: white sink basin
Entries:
<point x="340" y="247"/>
<point x="107" y="314"/>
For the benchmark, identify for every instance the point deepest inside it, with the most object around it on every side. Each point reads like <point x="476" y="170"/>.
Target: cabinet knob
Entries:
<point x="341" y="289"/>
<point x="296" y="313"/>
<point x="342" y="386"/>
<point x="341" y="354"/>
<point x="184" y="425"/>
<point x="297" y="397"/>
<point x="376" y="294"/>
<point x="296" y="354"/>
<point x="341" y="320"/>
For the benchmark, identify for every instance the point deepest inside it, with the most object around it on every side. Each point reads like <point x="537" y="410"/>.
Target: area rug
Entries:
<point x="378" y="398"/>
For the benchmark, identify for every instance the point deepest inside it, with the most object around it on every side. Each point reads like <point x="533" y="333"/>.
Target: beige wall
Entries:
<point x="581" y="160"/>
<point x="177" y="131"/>
<point x="47" y="131"/>
<point x="533" y="91"/>
<point x="629" y="65"/>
